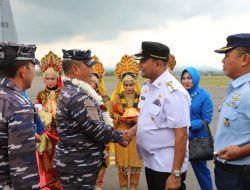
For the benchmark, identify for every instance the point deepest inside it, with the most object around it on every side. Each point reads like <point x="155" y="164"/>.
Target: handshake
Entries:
<point x="127" y="136"/>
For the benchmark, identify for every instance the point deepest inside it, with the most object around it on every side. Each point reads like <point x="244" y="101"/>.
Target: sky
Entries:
<point x="192" y="29"/>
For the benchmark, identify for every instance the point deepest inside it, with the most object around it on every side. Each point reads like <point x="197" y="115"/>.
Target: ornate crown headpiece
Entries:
<point x="126" y="65"/>
<point x="51" y="61"/>
<point x="97" y="68"/>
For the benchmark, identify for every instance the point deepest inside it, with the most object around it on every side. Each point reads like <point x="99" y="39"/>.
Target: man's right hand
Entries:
<point x="173" y="183"/>
<point x="232" y="152"/>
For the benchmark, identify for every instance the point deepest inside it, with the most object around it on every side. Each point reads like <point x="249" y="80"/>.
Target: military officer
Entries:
<point x="83" y="124"/>
<point x="232" y="140"/>
<point x="163" y="120"/>
<point x="18" y="167"/>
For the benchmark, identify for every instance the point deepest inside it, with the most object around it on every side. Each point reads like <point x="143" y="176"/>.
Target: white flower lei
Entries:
<point x="93" y="94"/>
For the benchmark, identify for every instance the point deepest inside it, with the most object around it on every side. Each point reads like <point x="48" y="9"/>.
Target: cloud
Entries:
<point x="53" y="20"/>
<point x="192" y="41"/>
<point x="192" y="28"/>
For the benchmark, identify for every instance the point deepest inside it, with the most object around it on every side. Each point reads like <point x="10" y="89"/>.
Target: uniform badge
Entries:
<point x="233" y="101"/>
<point x="157" y="102"/>
<point x="193" y="95"/>
<point x="226" y="122"/>
<point x="233" y="105"/>
<point x="171" y="86"/>
<point x="236" y="97"/>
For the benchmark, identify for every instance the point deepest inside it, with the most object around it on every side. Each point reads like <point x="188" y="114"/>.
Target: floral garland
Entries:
<point x="93" y="94"/>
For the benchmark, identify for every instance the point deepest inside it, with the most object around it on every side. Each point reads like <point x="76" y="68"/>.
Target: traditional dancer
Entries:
<point x="51" y="66"/>
<point x="125" y="113"/>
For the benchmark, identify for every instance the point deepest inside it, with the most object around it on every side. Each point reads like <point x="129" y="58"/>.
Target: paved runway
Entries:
<point x="111" y="179"/>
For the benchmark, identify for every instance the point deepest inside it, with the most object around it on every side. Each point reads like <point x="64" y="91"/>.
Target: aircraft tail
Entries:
<point x="7" y="26"/>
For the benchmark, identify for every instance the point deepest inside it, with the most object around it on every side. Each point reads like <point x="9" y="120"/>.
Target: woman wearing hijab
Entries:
<point x="201" y="109"/>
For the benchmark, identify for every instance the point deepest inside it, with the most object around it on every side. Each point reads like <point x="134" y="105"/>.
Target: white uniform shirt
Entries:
<point x="164" y="105"/>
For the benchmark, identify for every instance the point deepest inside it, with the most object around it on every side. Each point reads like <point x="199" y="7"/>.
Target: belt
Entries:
<point x="236" y="169"/>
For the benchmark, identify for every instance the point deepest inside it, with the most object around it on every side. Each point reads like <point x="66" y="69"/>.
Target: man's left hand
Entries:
<point x="173" y="183"/>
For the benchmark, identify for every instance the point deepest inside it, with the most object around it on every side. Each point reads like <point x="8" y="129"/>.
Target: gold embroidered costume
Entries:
<point x="126" y="158"/>
<point x="50" y="64"/>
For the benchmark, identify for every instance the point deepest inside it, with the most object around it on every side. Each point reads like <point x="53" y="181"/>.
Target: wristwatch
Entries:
<point x="176" y="173"/>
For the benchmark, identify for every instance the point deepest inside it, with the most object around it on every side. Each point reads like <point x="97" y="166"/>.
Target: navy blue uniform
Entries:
<point x="18" y="167"/>
<point x="83" y="135"/>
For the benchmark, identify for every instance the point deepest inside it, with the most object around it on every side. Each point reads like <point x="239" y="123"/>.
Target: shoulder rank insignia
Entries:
<point x="171" y="86"/>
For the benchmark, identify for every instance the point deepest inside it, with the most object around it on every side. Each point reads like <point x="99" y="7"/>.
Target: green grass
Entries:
<point x="220" y="81"/>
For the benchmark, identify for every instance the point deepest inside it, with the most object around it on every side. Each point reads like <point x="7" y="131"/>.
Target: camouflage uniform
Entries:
<point x="18" y="167"/>
<point x="83" y="135"/>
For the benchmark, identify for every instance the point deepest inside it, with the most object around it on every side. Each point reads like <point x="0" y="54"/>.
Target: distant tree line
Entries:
<point x="178" y="73"/>
<point x="175" y="73"/>
<point x="203" y="73"/>
<point x="109" y="73"/>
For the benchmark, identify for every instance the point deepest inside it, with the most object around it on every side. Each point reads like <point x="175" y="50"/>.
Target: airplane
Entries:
<point x="8" y="31"/>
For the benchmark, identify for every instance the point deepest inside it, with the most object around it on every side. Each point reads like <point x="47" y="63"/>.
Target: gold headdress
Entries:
<point x="126" y="65"/>
<point x="98" y="70"/>
<point x="171" y="62"/>
<point x="52" y="64"/>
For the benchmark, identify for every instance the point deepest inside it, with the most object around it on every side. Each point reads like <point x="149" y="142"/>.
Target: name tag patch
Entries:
<point x="157" y="102"/>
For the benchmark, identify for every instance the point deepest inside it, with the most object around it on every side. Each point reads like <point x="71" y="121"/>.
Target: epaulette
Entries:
<point x="145" y="82"/>
<point x="171" y="86"/>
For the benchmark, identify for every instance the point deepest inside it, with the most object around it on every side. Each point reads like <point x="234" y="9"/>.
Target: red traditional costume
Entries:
<point x="50" y="64"/>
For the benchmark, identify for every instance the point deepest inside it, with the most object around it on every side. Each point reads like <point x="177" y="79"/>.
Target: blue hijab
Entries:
<point x="194" y="73"/>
